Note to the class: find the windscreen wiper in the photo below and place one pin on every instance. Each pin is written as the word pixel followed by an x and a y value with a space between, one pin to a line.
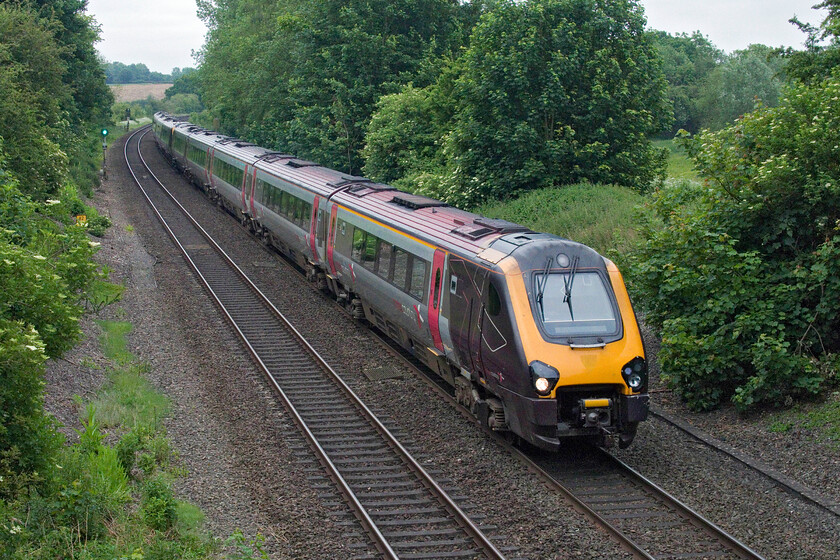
pixel 543 283
pixel 567 297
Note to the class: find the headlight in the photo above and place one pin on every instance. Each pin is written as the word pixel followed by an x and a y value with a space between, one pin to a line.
pixel 544 377
pixel 542 386
pixel 635 374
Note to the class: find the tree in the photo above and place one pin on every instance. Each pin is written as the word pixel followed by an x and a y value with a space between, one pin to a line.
pixel 742 273
pixel 687 62
pixel 734 87
pixel 817 61
pixel 32 94
pixel 556 92
pixel 320 69
pixel 76 33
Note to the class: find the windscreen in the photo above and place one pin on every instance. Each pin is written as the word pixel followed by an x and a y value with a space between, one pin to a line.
pixel 578 306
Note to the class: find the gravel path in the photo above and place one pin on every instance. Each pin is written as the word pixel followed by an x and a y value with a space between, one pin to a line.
pixel 239 447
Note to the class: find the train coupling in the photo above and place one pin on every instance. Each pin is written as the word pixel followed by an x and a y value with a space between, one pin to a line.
pixel 595 413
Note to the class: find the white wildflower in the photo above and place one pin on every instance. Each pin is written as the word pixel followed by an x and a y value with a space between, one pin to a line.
pixel 51 202
pixel 15 529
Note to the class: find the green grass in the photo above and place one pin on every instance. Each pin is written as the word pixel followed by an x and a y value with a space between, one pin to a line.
pixel 679 164
pixel 128 399
pixel 601 216
pixel 101 294
pixel 822 420
pixel 114 343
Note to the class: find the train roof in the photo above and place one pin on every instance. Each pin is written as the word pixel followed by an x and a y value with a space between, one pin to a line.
pixel 425 218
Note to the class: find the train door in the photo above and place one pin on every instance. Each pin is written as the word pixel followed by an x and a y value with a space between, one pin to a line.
pixel 321 233
pixel 251 193
pixel 246 188
pixel 313 230
pixel 208 169
pixel 331 238
pixel 477 312
pixel 435 287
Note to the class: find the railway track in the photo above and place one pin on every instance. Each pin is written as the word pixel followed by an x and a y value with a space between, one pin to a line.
pixel 646 521
pixel 643 518
pixel 404 511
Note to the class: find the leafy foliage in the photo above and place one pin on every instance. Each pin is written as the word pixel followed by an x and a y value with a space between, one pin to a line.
pixel 320 68
pixel 743 272
pixel 687 61
pixel 817 61
pixel 119 73
pixel 556 92
pixel 743 80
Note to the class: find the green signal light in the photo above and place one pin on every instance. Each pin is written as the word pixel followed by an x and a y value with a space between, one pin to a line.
pixel 104 132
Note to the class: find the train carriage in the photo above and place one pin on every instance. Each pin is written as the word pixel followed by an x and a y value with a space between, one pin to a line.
pixel 535 333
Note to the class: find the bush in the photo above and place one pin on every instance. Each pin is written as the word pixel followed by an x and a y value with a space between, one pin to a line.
pixel 742 273
pixel 159 505
pixel 27 436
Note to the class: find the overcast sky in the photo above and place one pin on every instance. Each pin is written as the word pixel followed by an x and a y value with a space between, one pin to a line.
pixel 162 34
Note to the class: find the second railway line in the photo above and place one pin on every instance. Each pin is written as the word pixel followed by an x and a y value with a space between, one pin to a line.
pixel 264 267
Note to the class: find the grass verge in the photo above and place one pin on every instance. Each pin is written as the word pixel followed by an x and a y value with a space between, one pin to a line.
pixel 601 216
pixel 110 497
pixel 822 420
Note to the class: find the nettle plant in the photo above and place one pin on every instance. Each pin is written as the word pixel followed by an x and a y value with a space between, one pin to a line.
pixel 742 273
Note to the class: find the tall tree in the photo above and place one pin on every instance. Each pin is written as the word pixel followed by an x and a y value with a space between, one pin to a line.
pixel 76 33
pixel 745 78
pixel 822 47
pixel 32 96
pixel 687 62
pixel 555 92
pixel 305 75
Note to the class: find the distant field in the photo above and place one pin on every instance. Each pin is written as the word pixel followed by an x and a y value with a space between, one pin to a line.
pixel 679 164
pixel 136 92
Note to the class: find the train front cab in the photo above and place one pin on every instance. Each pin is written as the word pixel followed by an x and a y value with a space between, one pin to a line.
pixel 580 345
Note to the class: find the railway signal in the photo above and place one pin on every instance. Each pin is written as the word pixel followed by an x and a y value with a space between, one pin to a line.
pixel 104 148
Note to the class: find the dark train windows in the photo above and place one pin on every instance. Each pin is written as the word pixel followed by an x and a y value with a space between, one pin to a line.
pixel 228 173
pixel 179 143
pixel 282 203
pixel 383 263
pixel 494 302
pixel 436 291
pixel 369 258
pixel 400 276
pixel 358 244
pixel 197 155
pixel 404 270
pixel 419 268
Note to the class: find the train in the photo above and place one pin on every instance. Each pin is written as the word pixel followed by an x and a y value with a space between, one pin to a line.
pixel 535 334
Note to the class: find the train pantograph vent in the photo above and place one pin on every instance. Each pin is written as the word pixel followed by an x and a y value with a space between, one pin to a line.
pixel 485 226
pixel 416 202
pixel 298 163
pixel 271 157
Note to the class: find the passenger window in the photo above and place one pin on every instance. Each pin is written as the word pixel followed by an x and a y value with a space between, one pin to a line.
pixel 494 302
pixel 399 276
pixel 285 204
pixel 436 292
pixel 418 277
pixel 358 244
pixel 383 263
pixel 370 251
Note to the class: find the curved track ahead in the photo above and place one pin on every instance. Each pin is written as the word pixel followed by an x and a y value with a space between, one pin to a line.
pixel 643 518
pixel 405 512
